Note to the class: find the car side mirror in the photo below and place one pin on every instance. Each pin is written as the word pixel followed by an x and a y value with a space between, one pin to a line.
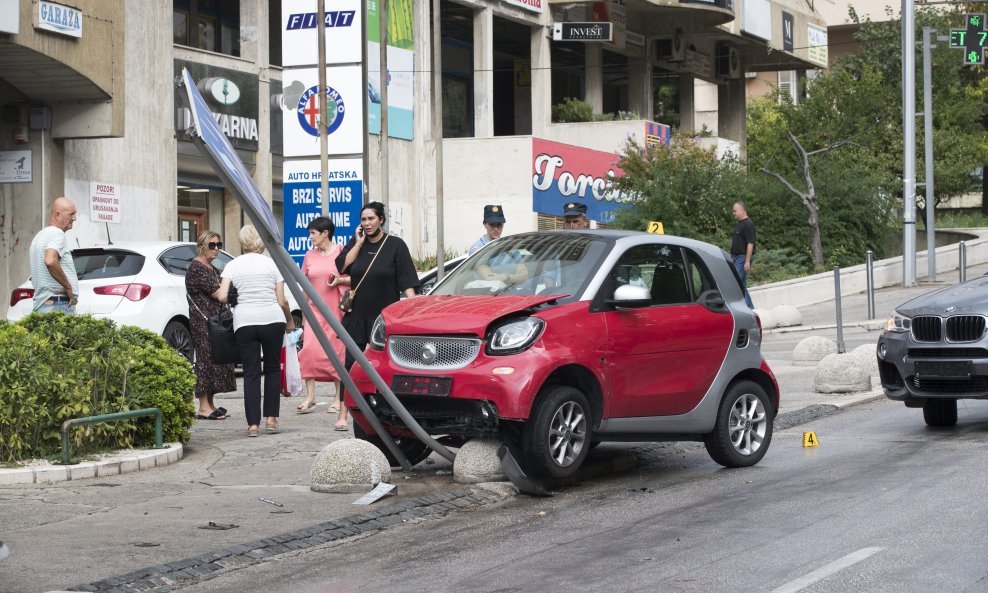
pixel 713 300
pixel 629 296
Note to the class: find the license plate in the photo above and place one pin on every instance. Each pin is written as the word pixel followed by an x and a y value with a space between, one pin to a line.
pixel 953 369
pixel 419 385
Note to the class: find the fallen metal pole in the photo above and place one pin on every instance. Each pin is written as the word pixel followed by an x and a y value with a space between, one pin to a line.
pixel 870 279
pixel 840 321
pixel 73 422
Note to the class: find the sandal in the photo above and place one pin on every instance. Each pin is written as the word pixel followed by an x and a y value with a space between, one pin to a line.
pixel 271 427
pixel 333 409
pixel 306 407
pixel 341 426
pixel 215 415
pixel 252 431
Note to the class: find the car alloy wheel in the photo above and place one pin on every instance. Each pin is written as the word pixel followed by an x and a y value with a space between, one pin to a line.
pixel 567 434
pixel 557 436
pixel 743 428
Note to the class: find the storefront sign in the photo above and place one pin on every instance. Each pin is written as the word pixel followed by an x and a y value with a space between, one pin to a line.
pixel 562 173
pixel 15 166
pixel 232 99
pixel 401 69
pixel 817 50
pixel 344 122
pixel 299 32
pixel 787 31
pixel 10 17
pixel 57 18
pixel 303 201
pixel 532 5
pixel 582 32
pixel 756 18
pixel 104 202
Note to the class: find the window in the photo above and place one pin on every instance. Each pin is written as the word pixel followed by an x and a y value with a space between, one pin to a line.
pixel 211 25
pixel 93 264
pixel 659 268
pixel 700 278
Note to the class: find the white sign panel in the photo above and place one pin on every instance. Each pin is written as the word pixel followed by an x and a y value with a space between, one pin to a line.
pixel 299 34
pixel 104 202
pixel 756 18
pixel 58 18
pixel 15 166
pixel 532 5
pixel 10 17
pixel 817 51
pixel 345 121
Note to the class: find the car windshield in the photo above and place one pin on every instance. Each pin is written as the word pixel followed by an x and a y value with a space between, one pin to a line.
pixel 528 264
pixel 92 264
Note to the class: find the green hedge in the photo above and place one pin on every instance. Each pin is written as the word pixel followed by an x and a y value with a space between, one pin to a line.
pixel 54 367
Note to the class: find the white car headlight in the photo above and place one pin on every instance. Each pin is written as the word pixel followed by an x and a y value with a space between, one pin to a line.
pixel 378 334
pixel 515 335
pixel 898 323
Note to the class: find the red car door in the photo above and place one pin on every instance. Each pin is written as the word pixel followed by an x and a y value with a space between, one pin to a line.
pixel 662 359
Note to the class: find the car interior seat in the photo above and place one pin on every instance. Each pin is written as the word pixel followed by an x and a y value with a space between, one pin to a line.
pixel 669 285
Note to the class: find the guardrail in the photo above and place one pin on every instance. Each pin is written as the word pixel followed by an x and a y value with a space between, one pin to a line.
pixel 88 420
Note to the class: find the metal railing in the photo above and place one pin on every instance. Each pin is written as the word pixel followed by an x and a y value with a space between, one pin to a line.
pixel 88 420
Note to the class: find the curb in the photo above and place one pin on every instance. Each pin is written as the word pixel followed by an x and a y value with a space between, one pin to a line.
pixel 112 465
pixel 869 324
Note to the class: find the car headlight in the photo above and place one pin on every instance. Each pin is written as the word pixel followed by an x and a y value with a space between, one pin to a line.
pixel 378 334
pixel 515 336
pixel 898 323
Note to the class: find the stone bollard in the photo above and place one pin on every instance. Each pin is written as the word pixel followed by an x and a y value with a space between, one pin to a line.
pixel 767 319
pixel 349 465
pixel 866 354
pixel 477 462
pixel 787 316
pixel 841 373
pixel 809 351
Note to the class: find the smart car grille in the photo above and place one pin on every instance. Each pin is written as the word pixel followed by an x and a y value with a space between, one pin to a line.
pixel 972 385
pixel 948 353
pixel 965 328
pixel 433 353
pixel 927 328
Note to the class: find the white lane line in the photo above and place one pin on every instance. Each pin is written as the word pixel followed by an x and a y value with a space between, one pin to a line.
pixel 825 571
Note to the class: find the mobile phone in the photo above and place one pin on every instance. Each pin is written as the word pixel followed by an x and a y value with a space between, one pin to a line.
pixel 360 231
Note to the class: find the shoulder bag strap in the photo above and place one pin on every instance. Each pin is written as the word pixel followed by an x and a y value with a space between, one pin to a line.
pixel 372 262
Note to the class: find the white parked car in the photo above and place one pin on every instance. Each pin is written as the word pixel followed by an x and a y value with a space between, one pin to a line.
pixel 138 283
pixel 427 280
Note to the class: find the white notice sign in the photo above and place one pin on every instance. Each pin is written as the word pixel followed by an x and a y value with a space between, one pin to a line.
pixel 104 202
pixel 15 166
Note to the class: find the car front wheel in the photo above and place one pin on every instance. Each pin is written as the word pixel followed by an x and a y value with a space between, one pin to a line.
pixel 179 338
pixel 743 429
pixel 557 437
pixel 940 412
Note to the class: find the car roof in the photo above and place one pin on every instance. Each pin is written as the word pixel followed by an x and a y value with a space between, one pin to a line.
pixel 143 247
pixel 630 238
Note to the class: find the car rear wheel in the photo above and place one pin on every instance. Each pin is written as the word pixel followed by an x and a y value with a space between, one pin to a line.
pixel 940 412
pixel 415 450
pixel 743 429
pixel 557 437
pixel 179 338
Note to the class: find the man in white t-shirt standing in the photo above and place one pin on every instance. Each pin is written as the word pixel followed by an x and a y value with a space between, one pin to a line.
pixel 56 286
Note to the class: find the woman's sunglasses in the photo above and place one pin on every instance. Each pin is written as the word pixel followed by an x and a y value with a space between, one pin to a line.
pixel 216 245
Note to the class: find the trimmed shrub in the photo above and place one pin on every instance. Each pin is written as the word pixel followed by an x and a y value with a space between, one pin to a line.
pixel 54 367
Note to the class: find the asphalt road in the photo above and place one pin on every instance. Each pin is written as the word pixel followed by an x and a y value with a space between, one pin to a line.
pixel 883 504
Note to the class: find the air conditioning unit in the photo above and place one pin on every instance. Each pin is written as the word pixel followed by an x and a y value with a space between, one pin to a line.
pixel 728 62
pixel 678 50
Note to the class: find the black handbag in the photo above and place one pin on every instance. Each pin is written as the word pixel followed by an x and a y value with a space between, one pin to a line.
pixel 222 343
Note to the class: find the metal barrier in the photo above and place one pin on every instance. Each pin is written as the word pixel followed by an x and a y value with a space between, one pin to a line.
pixel 962 261
pixel 840 320
pixel 72 422
pixel 870 281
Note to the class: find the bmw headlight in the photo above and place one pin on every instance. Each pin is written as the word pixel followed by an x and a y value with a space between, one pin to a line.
pixel 377 334
pixel 897 323
pixel 515 336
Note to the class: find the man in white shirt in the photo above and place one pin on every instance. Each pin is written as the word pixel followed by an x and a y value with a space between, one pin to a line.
pixel 56 286
pixel 493 223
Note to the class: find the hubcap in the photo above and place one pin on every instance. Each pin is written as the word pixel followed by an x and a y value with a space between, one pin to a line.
pixel 747 425
pixel 567 434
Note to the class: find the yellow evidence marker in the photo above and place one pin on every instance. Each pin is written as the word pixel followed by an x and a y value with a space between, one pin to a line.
pixel 810 440
pixel 655 227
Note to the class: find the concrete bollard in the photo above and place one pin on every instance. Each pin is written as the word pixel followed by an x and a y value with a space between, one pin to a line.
pixel 841 373
pixel 786 316
pixel 809 351
pixel 866 354
pixel 477 462
pixel 765 316
pixel 349 465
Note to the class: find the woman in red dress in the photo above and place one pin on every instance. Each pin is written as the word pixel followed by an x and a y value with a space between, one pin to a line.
pixel 319 266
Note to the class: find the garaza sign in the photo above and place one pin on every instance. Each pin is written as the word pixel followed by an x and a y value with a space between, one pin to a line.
pixel 562 173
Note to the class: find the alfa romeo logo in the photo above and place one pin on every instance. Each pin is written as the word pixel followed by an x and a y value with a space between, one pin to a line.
pixel 428 353
pixel 308 110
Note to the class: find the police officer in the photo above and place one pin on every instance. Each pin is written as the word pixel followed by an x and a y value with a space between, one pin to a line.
pixel 575 216
pixel 493 223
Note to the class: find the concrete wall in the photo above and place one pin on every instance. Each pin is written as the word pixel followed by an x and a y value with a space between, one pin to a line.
pixel 607 136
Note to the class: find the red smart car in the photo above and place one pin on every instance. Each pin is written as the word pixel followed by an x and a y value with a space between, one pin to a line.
pixel 559 340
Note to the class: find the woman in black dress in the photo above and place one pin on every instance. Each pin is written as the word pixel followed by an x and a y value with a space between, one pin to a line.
pixel 202 283
pixel 391 276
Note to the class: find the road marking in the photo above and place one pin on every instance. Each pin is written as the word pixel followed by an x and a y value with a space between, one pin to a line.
pixel 825 571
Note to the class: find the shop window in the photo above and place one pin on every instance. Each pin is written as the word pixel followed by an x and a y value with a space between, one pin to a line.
pixel 211 25
pixel 665 98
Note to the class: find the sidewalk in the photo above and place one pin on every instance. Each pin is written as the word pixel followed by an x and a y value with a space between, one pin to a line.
pixel 205 514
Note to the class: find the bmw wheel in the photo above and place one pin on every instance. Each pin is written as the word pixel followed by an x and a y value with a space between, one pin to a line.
pixel 557 437
pixel 743 429
pixel 178 337
pixel 940 412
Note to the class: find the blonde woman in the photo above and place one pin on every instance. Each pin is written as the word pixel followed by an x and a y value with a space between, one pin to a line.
pixel 260 321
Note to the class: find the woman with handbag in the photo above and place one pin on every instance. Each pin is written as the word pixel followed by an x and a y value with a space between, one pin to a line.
pixel 202 285
pixel 381 271
pixel 260 320
pixel 319 266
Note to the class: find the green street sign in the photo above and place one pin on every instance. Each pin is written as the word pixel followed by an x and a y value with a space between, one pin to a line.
pixel 973 39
